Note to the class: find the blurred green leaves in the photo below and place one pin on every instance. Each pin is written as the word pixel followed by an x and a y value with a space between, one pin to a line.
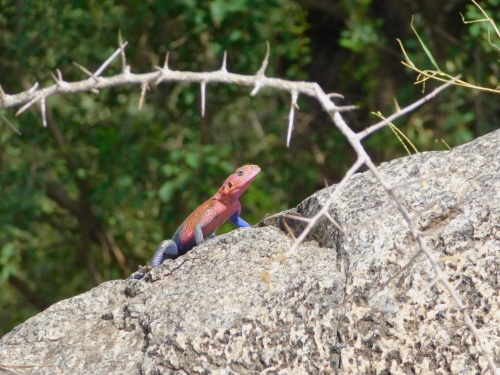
pixel 219 9
pixel 89 197
pixel 8 264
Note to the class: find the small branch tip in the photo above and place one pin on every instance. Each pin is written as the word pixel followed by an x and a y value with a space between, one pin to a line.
pixel 265 61
pixel 335 95
pixel 34 88
pixel 255 90
pixel 125 68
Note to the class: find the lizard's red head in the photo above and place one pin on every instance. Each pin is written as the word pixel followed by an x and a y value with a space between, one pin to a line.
pixel 237 183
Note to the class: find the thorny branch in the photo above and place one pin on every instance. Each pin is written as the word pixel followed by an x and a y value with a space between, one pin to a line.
pixel 164 74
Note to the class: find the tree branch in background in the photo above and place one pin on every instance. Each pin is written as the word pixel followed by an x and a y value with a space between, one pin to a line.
pixel 32 297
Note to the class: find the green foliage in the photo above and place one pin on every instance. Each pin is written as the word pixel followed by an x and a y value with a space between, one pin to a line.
pixel 363 37
pixel 106 179
pixel 7 261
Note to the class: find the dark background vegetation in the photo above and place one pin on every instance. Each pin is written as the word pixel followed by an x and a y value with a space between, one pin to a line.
pixel 88 198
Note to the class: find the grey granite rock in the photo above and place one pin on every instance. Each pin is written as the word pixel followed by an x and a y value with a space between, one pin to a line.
pixel 327 310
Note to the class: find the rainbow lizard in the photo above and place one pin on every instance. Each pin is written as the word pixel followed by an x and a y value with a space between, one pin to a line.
pixel 203 222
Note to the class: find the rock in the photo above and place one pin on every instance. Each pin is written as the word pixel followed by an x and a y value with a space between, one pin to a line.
pixel 331 308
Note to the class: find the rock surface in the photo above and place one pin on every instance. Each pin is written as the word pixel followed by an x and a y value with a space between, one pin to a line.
pixel 326 310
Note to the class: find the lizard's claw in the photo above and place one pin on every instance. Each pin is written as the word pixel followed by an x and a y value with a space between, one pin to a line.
pixel 140 273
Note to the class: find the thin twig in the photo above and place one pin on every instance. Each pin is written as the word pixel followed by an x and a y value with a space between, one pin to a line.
pixel 29 104
pixel 10 124
pixel 289 230
pixel 332 220
pixel 110 59
pixel 265 62
pixel 298 218
pixel 86 71
pixel 405 110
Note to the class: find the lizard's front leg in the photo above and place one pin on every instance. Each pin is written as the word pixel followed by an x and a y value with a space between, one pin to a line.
pixel 198 235
pixel 238 221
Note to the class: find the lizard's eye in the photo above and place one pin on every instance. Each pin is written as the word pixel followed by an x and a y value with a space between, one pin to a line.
pixel 239 172
pixel 229 185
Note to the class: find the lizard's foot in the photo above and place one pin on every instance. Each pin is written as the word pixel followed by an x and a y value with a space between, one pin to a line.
pixel 139 274
pixel 167 250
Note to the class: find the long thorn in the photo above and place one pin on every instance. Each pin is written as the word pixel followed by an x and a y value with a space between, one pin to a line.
pixel 44 112
pixel 87 72
pixel 332 220
pixel 203 87
pixel 27 105
pixel 289 230
pixel 291 117
pixel 144 87
pixel 224 62
pixel 165 63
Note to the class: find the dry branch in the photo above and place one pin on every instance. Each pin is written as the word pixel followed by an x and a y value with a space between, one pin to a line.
pixel 162 74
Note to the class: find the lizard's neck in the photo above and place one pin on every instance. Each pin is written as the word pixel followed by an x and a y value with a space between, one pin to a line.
pixel 226 199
